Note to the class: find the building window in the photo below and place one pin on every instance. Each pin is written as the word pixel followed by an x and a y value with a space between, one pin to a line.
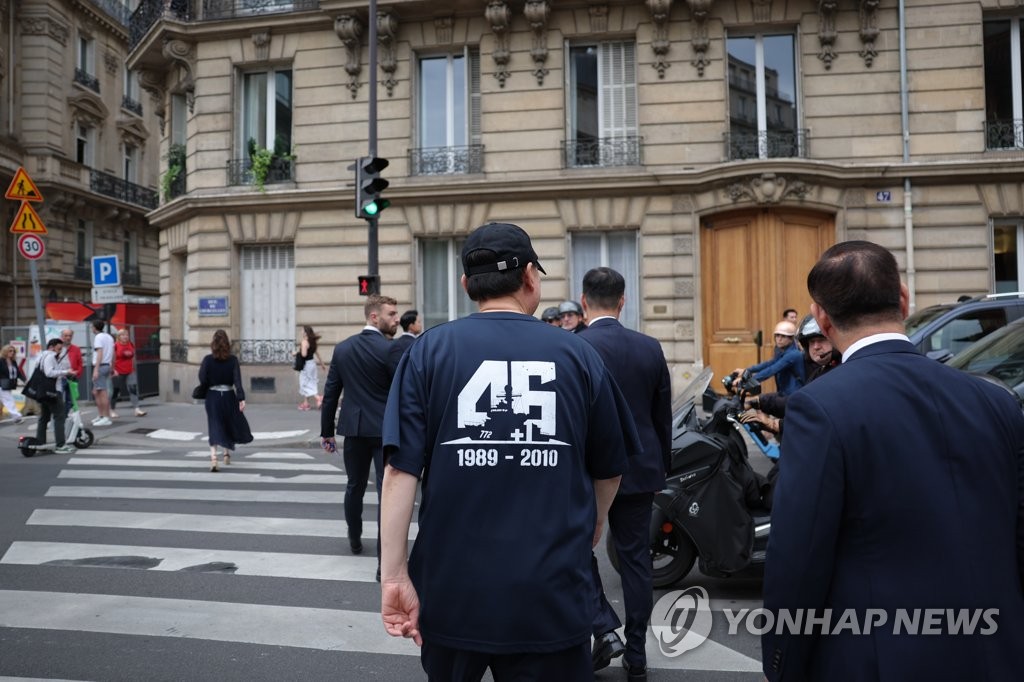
pixel 1004 111
pixel 130 101
pixel 267 290
pixel 616 250
pixel 179 117
pixel 84 144
pixel 86 54
pixel 131 162
pixel 448 127
pixel 130 259
pixel 83 250
pixel 441 297
pixel 1008 256
pixel 762 71
pixel 267 111
pixel 602 106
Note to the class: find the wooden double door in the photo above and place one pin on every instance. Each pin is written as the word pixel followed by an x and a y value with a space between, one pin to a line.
pixel 754 265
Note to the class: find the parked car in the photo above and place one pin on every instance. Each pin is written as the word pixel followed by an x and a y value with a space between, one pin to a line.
pixel 999 357
pixel 941 331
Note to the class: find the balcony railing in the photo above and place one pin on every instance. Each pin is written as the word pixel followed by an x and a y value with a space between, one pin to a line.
pixel 229 9
pixel 1008 134
pixel 607 151
pixel 772 144
pixel 179 350
pixel 240 171
pixel 116 9
pixel 131 276
pixel 264 351
pixel 151 11
pixel 447 160
pixel 83 77
pixel 111 186
pixel 131 105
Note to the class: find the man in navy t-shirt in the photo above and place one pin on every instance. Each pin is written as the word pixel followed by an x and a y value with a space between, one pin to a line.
pixel 520 437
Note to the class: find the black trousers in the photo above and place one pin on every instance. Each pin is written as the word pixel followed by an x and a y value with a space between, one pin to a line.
pixel 359 453
pixel 457 665
pixel 55 409
pixel 629 521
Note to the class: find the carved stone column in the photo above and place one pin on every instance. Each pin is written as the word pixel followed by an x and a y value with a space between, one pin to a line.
pixel 868 30
pixel 499 16
pixel 827 31
pixel 660 10
pixel 350 30
pixel 387 27
pixel 261 41
pixel 699 39
pixel 536 12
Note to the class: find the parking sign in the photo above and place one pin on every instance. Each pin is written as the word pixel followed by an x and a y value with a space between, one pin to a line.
pixel 105 272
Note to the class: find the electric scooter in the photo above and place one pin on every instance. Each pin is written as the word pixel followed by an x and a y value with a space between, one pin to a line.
pixel 74 429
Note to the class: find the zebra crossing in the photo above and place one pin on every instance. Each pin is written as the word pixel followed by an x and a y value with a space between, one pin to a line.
pixel 143 549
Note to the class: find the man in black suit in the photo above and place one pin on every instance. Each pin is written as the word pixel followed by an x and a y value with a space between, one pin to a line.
pixel 637 363
pixel 361 367
pixel 901 492
pixel 411 328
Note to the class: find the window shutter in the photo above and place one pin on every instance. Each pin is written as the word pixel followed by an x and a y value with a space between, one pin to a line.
pixel 473 60
pixel 618 89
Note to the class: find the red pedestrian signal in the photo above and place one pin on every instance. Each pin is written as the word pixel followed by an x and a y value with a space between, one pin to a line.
pixel 369 284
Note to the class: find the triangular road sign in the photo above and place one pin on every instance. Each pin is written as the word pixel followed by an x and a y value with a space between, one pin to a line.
pixel 28 220
pixel 22 188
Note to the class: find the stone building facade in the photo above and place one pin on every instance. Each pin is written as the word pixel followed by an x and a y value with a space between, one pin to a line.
pixel 709 150
pixel 75 118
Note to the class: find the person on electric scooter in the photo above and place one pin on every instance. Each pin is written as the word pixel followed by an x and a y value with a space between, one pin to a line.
pixel 50 362
pixel 786 364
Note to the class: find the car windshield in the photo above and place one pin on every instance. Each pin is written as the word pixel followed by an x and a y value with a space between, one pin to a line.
pixel 1000 356
pixel 923 317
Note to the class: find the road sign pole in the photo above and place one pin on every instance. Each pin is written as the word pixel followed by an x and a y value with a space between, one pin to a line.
pixel 40 315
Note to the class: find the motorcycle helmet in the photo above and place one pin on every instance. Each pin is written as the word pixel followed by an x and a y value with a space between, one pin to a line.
pixel 570 307
pixel 808 330
pixel 549 314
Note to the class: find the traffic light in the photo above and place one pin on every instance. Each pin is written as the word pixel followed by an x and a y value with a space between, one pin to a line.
pixel 369 185
pixel 369 284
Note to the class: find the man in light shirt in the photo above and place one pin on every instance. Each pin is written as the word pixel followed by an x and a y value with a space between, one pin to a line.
pixel 102 359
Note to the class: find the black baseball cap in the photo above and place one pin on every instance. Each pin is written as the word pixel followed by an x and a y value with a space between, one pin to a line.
pixel 510 244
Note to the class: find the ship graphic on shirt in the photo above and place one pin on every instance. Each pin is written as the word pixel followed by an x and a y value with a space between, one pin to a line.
pixel 503 403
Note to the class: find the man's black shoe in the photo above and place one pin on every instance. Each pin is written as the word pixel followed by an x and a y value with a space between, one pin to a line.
pixel 355 544
pixel 635 673
pixel 606 647
pixel 378 574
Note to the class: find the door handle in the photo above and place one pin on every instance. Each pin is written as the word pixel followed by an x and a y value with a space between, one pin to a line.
pixel 732 339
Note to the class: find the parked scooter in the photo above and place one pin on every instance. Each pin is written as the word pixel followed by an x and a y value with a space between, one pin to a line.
pixel 74 430
pixel 711 509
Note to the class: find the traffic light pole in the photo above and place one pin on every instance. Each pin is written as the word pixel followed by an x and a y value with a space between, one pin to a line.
pixel 371 239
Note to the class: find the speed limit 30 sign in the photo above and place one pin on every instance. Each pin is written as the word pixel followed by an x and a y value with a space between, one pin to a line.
pixel 31 246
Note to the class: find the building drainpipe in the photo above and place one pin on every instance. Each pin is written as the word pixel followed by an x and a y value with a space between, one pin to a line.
pixel 908 202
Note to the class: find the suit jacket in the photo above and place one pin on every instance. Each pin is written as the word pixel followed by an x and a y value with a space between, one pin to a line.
pixel 637 364
pixel 401 343
pixel 362 369
pixel 901 487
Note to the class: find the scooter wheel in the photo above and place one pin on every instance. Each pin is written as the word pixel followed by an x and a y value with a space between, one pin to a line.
pixel 27 446
pixel 84 439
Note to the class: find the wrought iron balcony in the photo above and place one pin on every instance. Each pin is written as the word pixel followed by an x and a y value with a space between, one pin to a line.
pixel 1008 134
pixel 447 160
pixel 83 272
pixel 83 77
pixel 240 171
pixel 771 144
pixel 116 9
pixel 176 187
pixel 179 350
pixel 606 151
pixel 111 186
pixel 151 11
pixel 131 276
pixel 131 105
pixel 229 9
pixel 264 351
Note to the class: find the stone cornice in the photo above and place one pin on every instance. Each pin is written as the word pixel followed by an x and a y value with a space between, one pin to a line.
pixel 101 17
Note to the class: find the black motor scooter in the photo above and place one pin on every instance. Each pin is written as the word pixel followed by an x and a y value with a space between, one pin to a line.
pixel 711 508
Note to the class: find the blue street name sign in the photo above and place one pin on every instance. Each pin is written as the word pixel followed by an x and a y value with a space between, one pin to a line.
pixel 216 306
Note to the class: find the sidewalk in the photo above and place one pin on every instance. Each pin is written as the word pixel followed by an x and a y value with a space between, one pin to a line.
pixel 184 424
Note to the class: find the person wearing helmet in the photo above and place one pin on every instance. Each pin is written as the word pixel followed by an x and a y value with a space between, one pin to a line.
pixel 550 316
pixel 570 315
pixel 786 364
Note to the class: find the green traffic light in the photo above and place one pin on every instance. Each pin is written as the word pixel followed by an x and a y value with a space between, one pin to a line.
pixel 371 208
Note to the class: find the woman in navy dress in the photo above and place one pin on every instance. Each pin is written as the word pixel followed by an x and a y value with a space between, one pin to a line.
pixel 225 397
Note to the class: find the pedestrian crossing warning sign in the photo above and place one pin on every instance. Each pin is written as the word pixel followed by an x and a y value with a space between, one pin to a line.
pixel 23 189
pixel 27 220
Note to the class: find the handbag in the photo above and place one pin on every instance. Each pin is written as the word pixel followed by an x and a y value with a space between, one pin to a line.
pixel 300 362
pixel 199 392
pixel 40 387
